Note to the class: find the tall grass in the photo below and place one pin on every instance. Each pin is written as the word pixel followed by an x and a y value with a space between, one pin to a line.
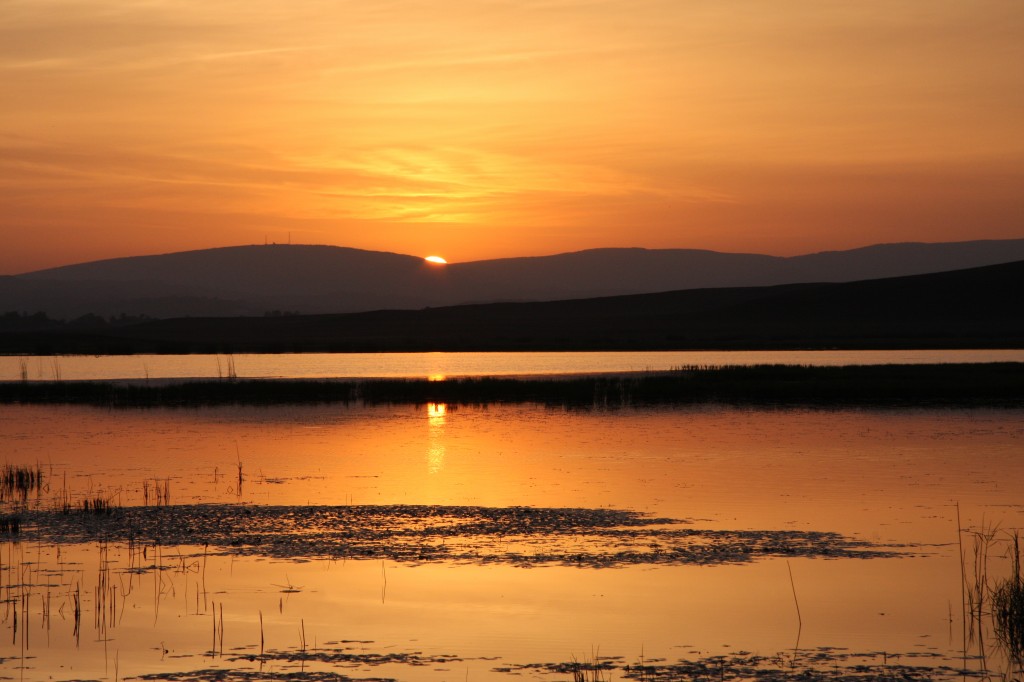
pixel 1008 607
pixel 590 670
pixel 993 605
pixel 17 482
pixel 10 524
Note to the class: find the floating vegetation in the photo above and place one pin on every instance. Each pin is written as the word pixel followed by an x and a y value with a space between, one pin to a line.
pixel 18 482
pixel 521 536
pixel 331 655
pixel 825 664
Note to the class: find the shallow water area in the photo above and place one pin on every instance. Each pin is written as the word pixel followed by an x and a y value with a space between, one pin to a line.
pixel 429 542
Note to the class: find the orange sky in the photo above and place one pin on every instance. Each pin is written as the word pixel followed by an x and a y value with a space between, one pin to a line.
pixel 489 128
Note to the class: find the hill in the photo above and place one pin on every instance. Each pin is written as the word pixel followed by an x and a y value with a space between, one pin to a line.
pixel 974 308
pixel 252 280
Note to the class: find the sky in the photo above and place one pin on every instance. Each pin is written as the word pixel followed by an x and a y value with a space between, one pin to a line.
pixel 480 129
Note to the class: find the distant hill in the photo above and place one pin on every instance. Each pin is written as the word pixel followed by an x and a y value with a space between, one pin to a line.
pixel 252 280
pixel 974 308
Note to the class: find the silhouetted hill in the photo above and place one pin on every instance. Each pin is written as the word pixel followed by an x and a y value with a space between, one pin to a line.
pixel 977 308
pixel 251 280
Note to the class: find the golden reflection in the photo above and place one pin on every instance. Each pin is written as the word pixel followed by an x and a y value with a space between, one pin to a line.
pixel 436 413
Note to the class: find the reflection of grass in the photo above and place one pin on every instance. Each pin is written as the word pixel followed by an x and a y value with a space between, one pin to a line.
pixel 994 384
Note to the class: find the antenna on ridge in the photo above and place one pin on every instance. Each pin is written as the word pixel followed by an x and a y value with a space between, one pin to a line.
pixel 289 238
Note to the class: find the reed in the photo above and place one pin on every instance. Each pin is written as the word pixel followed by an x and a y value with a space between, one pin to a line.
pixel 589 670
pixel 159 491
pixel 17 482
pixel 1008 607
pixel 97 506
pixel 10 524
pixel 238 484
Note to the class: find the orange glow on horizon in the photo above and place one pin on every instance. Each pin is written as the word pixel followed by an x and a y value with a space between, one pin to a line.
pixel 491 130
pixel 436 260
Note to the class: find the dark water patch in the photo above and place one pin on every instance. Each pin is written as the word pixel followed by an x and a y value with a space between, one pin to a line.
pixel 521 536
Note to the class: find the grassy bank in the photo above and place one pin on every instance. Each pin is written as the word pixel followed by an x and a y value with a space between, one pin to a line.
pixel 995 384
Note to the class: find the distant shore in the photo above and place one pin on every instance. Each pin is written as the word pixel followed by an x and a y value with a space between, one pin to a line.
pixel 951 385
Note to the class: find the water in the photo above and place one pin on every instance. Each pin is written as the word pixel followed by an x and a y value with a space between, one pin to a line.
pixel 440 365
pixel 891 478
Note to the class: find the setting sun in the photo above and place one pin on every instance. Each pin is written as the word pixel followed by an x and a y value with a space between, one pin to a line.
pixel 436 259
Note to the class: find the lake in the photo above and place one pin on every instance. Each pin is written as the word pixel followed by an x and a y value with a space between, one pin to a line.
pixel 440 365
pixel 441 542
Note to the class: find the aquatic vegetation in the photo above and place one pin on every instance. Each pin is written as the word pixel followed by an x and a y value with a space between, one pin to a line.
pixel 591 669
pixel 158 491
pixel 98 506
pixel 1008 608
pixel 10 524
pixel 17 482
pixel 410 534
pixel 992 384
pixel 825 664
pixel 993 605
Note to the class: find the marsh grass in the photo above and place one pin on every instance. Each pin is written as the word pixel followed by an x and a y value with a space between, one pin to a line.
pixel 18 482
pixel 97 506
pixel 1008 607
pixel 590 670
pixel 10 524
pixel 993 604
pixel 977 384
pixel 156 491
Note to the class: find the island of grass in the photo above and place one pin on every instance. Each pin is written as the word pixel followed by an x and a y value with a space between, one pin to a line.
pixel 954 385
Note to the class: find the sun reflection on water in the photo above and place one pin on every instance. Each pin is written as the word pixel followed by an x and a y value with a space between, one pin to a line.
pixel 436 415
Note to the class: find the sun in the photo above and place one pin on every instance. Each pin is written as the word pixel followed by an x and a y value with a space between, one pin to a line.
pixel 436 259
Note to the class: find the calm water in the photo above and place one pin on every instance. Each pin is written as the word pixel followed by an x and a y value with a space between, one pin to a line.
pixel 887 477
pixel 439 365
